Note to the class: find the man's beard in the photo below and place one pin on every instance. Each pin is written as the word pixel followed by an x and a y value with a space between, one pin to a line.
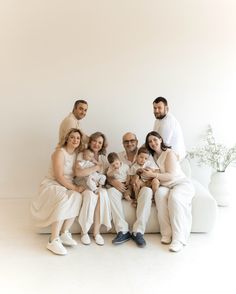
pixel 133 150
pixel 160 116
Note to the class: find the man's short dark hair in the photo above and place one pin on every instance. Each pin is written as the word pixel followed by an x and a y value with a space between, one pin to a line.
pixel 78 102
pixel 161 99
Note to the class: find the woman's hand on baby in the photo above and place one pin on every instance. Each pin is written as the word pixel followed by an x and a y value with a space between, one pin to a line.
pixel 148 173
pixel 79 189
pixel 99 165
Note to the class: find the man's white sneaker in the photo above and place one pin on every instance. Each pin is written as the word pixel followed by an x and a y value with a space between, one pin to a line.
pixel 99 239
pixel 165 240
pixel 85 239
pixel 66 239
pixel 176 246
pixel 56 247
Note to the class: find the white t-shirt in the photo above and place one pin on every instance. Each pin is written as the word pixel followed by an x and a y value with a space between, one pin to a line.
pixel 120 174
pixel 171 132
pixel 148 164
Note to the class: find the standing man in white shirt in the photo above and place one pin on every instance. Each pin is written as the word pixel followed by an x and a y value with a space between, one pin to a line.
pixel 73 119
pixel 168 127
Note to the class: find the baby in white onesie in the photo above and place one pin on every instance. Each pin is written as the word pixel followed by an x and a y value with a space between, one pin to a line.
pixel 94 180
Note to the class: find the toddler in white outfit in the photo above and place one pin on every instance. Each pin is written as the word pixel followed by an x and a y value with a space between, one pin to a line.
pixel 119 171
pixel 138 181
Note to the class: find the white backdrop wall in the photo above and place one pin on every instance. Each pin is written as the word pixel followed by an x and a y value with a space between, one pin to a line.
pixel 119 56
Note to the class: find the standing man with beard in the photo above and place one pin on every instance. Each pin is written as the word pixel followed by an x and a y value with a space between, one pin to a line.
pixel 168 127
pixel 72 121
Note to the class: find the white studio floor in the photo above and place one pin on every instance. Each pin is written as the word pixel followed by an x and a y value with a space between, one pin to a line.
pixel 206 265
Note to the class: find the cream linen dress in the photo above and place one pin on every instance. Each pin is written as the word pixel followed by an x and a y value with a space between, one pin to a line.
pixel 90 199
pixel 55 202
pixel 174 202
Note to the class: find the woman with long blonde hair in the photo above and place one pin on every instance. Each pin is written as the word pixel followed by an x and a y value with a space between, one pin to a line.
pixel 59 200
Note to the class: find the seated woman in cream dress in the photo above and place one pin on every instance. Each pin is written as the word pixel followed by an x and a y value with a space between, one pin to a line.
pixel 174 197
pixel 96 206
pixel 59 200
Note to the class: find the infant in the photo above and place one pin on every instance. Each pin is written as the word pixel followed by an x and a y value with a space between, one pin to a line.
pixel 95 179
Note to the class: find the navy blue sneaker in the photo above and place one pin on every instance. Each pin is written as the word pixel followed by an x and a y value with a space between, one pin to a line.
pixel 121 238
pixel 138 239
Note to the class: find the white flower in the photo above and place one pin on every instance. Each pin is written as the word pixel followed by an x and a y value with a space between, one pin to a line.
pixel 216 155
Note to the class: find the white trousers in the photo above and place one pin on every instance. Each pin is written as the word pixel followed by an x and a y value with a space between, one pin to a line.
pixel 86 216
pixel 174 210
pixel 144 204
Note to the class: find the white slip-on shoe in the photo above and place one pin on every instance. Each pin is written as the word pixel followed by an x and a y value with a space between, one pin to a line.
pixel 176 246
pixel 56 247
pixel 99 239
pixel 165 240
pixel 66 239
pixel 85 239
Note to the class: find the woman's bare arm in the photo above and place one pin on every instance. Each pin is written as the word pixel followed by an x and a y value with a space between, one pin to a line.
pixel 58 169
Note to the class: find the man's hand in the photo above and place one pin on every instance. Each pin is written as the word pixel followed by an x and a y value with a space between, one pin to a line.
pixel 118 185
pixel 79 189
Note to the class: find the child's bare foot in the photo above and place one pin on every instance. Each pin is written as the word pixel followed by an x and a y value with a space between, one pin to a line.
pixel 134 203
pixel 127 197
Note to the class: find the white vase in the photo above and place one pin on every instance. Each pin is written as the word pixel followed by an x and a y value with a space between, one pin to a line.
pixel 220 188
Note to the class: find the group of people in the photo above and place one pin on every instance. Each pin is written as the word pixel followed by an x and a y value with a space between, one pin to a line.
pixel 84 183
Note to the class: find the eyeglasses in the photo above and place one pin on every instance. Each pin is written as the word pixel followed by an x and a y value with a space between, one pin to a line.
pixel 132 141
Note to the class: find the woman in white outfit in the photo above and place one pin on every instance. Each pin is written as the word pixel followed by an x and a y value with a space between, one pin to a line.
pixel 96 206
pixel 59 200
pixel 174 197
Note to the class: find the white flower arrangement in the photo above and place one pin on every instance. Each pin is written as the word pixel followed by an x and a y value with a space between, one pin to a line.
pixel 216 155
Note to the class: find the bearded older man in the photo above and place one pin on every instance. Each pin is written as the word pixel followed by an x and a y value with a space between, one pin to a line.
pixel 144 201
